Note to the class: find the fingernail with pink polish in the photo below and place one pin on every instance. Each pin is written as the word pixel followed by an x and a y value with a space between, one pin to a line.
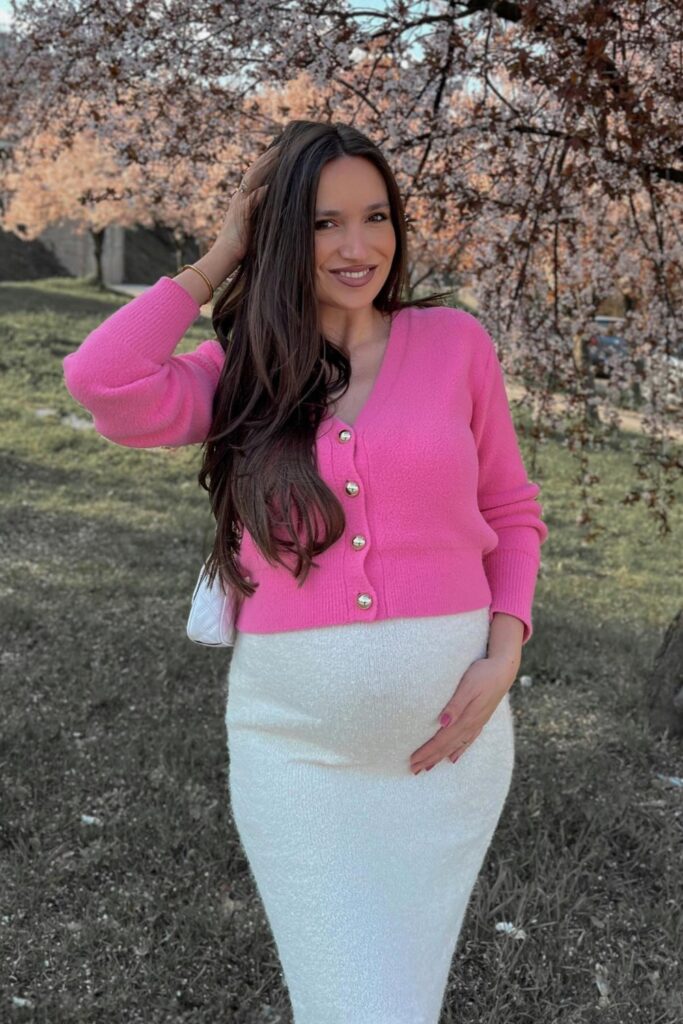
pixel 445 718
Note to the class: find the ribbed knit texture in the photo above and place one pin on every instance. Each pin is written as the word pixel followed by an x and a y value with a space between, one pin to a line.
pixel 449 518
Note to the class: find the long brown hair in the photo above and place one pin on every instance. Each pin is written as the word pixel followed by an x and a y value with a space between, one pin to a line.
pixel 273 391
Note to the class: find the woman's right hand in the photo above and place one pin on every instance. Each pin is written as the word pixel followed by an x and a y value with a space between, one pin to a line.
pixel 234 233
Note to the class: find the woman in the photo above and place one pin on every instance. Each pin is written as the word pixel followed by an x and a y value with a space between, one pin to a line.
pixel 381 532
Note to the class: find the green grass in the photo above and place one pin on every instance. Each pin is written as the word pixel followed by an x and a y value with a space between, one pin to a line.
pixel 108 710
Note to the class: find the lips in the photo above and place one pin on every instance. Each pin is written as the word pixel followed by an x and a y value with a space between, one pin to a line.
pixel 351 270
pixel 353 282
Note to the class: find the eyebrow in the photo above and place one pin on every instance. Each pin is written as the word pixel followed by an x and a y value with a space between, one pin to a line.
pixel 336 213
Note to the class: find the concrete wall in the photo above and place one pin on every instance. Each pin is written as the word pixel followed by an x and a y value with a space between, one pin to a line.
pixel 77 251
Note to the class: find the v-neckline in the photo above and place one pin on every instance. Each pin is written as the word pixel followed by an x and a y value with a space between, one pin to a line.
pixel 383 377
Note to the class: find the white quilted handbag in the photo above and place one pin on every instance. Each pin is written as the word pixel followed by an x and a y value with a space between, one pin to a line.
pixel 211 621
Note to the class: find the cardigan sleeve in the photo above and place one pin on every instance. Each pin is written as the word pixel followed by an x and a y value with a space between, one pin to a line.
pixel 124 373
pixel 507 499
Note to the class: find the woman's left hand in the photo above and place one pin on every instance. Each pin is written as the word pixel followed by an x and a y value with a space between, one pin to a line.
pixel 479 692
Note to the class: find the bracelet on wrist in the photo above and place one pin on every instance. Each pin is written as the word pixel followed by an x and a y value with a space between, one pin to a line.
pixel 190 266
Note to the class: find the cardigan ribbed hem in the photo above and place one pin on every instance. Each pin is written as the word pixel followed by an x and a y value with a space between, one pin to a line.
pixel 512 576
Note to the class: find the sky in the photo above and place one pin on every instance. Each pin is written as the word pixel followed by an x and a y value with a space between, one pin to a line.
pixel 5 13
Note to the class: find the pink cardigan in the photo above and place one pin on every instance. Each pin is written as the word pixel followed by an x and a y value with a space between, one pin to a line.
pixel 440 515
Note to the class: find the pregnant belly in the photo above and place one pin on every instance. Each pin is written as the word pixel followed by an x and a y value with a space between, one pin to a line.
pixel 364 693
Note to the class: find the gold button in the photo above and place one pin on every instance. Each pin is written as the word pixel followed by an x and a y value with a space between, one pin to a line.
pixel 352 487
pixel 364 600
pixel 344 435
pixel 358 541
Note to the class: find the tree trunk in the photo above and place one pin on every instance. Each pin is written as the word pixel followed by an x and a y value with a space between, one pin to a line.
pixel 665 685
pixel 98 244
pixel 180 240
pixel 580 346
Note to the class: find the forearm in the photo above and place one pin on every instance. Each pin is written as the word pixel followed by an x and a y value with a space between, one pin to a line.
pixel 218 263
pixel 505 641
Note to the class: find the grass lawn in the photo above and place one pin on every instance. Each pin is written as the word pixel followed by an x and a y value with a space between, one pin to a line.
pixel 126 895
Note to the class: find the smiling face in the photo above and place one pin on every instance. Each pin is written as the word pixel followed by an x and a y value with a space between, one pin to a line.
pixel 353 229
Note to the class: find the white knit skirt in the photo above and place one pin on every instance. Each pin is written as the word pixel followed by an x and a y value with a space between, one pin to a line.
pixel 364 869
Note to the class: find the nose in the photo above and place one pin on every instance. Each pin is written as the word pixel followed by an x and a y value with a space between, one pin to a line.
pixel 354 245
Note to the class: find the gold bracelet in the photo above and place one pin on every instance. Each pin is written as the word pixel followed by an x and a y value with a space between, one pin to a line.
pixel 189 266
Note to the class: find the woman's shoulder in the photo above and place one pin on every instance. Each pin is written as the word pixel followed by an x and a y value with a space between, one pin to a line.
pixel 459 326
pixel 450 315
